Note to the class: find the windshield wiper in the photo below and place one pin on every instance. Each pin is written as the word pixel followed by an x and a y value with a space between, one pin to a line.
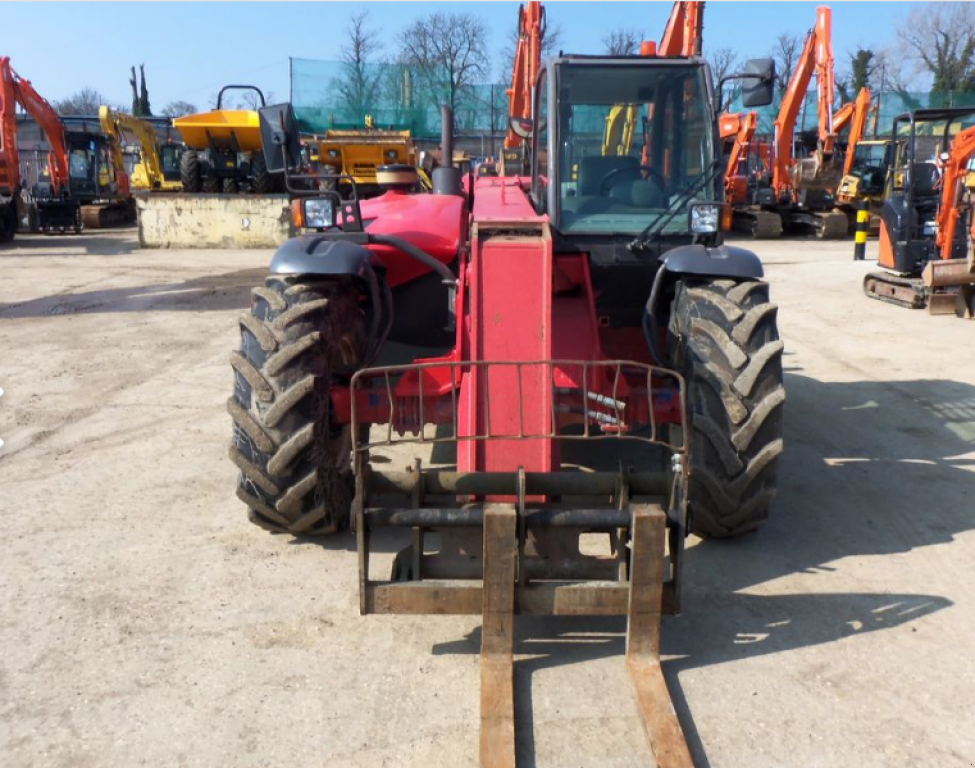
pixel 647 236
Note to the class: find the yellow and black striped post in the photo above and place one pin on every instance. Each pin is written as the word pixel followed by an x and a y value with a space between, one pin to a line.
pixel 863 227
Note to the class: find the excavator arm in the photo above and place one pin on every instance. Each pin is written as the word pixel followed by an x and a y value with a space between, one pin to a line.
pixel 742 128
pixel 114 123
pixel 528 59
pixel 114 136
pixel 682 36
pixel 47 118
pixel 9 158
pixel 953 190
pixel 858 126
pixel 816 57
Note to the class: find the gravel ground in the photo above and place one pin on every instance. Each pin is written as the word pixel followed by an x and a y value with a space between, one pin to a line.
pixel 143 621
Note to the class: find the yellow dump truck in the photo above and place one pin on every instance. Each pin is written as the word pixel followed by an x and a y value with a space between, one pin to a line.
pixel 358 153
pixel 224 151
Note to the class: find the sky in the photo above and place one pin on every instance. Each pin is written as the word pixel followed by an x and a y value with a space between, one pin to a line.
pixel 192 49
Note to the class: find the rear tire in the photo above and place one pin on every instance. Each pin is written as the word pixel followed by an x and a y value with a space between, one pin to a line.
pixel 189 171
pixel 261 181
pixel 725 340
pixel 212 184
pixel 299 338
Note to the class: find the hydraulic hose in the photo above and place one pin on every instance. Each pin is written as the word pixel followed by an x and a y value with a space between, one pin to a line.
pixel 415 253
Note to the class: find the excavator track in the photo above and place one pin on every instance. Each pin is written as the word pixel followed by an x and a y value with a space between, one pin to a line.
pixel 906 292
pixel 757 223
pixel 832 225
pixel 110 215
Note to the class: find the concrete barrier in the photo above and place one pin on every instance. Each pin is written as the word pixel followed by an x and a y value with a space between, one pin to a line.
pixel 213 221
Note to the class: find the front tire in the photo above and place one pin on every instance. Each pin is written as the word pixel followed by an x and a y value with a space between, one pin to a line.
pixel 261 181
pixel 299 338
pixel 725 340
pixel 189 171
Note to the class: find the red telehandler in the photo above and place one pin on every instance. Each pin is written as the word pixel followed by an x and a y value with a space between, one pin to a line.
pixel 517 326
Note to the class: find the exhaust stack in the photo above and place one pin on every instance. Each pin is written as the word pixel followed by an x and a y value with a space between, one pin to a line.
pixel 447 179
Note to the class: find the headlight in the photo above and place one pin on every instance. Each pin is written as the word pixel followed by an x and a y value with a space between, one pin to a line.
pixel 705 218
pixel 318 213
pixel 333 153
pixel 391 154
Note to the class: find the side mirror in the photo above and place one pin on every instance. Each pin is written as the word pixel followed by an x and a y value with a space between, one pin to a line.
pixel 523 127
pixel 758 83
pixel 279 137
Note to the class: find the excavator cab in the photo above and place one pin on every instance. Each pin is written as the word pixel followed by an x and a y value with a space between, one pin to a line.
pixel 910 209
pixel 868 173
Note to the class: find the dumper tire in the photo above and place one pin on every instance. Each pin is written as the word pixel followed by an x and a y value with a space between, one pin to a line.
pixel 300 337
pixel 212 184
pixel 724 339
pixel 189 171
pixel 231 186
pixel 261 181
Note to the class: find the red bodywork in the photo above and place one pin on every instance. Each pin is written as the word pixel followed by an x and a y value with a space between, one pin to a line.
pixel 529 347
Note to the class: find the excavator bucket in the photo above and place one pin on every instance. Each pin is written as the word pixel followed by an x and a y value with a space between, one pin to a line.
pixel 501 544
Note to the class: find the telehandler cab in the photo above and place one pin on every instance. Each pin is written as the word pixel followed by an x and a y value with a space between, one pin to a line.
pixel 589 304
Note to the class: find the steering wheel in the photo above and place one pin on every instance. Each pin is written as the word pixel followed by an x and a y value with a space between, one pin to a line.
pixel 602 187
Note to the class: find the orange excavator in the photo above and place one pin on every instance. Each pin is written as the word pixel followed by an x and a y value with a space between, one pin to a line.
pixel 528 60
pixel 924 221
pixel 82 185
pixel 57 210
pixel 746 173
pixel 9 159
pixel 803 189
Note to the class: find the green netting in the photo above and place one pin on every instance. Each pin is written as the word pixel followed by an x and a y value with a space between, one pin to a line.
pixel 334 94
pixel 891 104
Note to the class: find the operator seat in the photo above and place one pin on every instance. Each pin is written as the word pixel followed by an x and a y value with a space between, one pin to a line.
pixel 925 179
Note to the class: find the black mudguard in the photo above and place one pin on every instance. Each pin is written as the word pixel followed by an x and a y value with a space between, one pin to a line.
pixel 314 255
pixel 722 261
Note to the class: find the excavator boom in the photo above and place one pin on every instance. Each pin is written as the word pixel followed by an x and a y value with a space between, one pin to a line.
pixel 528 59
pixel 682 37
pixel 46 116
pixel 152 171
pixel 953 191
pixel 816 57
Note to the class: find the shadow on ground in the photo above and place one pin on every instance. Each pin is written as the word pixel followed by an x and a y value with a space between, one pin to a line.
pixel 230 290
pixel 871 468
pixel 113 241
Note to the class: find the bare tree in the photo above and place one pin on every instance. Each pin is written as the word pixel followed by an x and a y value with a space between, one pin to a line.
pixel 724 61
pixel 622 41
pixel 83 102
pixel 551 38
pixel 939 38
pixel 448 54
pixel 785 53
pixel 250 100
pixel 179 108
pixel 360 82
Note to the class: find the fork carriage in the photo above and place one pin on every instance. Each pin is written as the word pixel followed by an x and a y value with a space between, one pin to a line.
pixel 509 542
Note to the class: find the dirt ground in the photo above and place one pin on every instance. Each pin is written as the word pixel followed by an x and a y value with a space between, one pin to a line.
pixel 144 621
